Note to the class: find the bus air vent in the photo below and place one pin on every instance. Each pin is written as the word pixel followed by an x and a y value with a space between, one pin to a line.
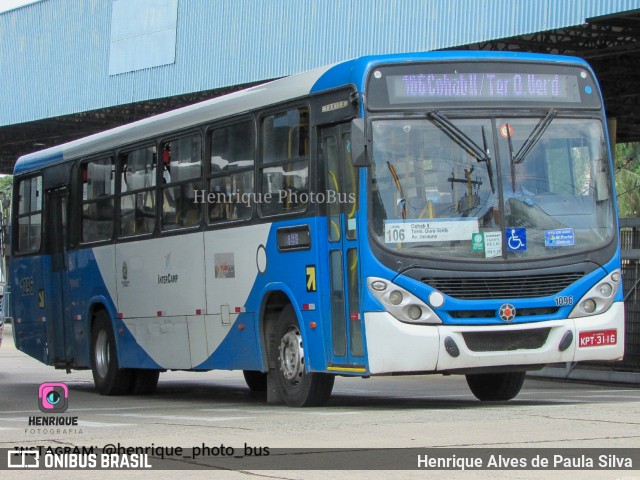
pixel 506 341
pixel 483 288
pixel 522 312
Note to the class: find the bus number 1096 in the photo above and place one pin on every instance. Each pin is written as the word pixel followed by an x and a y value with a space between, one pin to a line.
pixel 563 301
pixel 26 286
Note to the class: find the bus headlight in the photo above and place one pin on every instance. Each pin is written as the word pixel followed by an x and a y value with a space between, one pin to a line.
pixel 589 305
pixel 395 297
pixel 401 303
pixel 606 289
pixel 415 312
pixel 599 298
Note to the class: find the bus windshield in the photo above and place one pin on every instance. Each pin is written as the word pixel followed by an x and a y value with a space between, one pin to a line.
pixel 444 186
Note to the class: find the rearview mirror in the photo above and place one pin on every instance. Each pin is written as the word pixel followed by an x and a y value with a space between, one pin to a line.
pixel 359 143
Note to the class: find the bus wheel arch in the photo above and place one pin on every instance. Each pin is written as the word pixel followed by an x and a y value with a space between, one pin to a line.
pixel 108 377
pixel 272 305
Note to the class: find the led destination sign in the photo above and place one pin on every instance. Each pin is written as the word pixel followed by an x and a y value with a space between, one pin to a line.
pixel 453 87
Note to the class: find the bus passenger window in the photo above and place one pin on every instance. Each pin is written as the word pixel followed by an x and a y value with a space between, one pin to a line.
pixel 231 177
pixel 98 185
pixel 284 170
pixel 137 192
pixel 29 215
pixel 181 177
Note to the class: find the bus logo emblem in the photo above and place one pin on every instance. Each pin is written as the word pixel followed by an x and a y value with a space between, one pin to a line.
pixel 507 312
pixel 125 274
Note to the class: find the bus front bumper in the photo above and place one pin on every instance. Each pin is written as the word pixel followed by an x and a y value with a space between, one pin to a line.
pixel 397 347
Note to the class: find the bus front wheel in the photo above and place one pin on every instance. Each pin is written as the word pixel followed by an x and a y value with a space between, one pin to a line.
pixel 298 387
pixel 107 376
pixel 495 386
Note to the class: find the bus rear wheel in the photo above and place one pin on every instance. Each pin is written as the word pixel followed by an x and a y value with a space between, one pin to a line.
pixel 107 376
pixel 495 386
pixel 298 387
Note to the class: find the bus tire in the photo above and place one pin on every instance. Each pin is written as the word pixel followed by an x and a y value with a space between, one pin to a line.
pixel 107 376
pixel 495 386
pixel 256 381
pixel 143 382
pixel 298 387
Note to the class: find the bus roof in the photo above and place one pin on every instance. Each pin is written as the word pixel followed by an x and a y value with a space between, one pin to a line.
pixel 295 86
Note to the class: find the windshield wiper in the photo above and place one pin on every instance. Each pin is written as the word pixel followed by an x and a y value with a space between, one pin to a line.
pixel 532 139
pixel 463 140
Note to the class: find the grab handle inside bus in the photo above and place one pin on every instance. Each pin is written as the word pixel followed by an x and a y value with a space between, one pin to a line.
pixel 359 143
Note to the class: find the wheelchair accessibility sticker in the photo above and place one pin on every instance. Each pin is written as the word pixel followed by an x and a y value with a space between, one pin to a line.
pixel 516 239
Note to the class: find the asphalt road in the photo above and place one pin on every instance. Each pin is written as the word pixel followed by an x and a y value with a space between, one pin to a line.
pixel 216 409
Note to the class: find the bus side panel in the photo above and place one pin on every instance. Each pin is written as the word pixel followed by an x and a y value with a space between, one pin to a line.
pixel 88 274
pixel 161 300
pixel 239 348
pixel 247 266
pixel 29 331
pixel 299 270
pixel 231 259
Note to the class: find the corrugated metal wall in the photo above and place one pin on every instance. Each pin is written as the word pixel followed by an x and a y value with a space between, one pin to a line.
pixel 54 54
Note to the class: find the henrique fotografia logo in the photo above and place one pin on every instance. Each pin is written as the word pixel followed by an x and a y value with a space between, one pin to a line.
pixel 53 398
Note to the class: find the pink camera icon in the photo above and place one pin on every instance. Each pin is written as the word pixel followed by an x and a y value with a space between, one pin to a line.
pixel 53 397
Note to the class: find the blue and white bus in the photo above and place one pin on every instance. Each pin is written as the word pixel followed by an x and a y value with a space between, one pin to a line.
pixel 417 213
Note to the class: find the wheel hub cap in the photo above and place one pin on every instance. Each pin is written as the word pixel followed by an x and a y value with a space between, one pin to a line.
pixel 102 354
pixel 292 356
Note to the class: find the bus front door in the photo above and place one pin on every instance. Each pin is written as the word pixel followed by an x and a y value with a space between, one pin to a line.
pixel 52 299
pixel 346 351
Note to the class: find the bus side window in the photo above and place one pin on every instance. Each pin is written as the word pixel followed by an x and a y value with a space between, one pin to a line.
pixel 29 215
pixel 284 170
pixel 98 185
pixel 231 172
pixel 182 177
pixel 137 191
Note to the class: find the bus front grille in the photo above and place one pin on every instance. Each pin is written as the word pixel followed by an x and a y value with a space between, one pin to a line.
pixel 521 312
pixel 506 341
pixel 482 288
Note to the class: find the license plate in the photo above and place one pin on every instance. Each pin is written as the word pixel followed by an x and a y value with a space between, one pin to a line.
pixel 598 338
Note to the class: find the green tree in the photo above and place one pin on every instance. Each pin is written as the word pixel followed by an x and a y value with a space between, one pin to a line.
pixel 627 174
pixel 6 189
pixel 6 185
